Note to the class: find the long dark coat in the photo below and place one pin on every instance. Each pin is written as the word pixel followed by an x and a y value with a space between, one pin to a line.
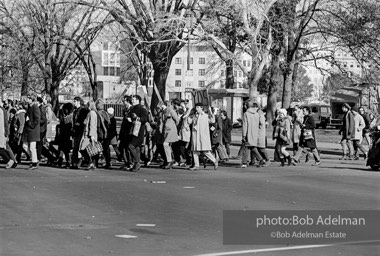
pixel 32 126
pixel 348 127
pixel 226 130
pixel 142 114
pixel 124 133
pixel 309 123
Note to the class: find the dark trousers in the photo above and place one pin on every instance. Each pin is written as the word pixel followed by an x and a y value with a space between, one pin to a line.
pixel 40 145
pixel 181 149
pixel 76 144
pixel 106 151
pixel 135 152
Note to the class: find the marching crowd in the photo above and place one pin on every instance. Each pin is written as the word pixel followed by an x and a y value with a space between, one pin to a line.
pixel 172 134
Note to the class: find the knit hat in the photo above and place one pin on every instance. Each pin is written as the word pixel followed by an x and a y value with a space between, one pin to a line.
pixel 110 111
pixel 283 111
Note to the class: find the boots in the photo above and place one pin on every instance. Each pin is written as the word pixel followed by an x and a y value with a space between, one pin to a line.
pixel 282 160
pixel 289 160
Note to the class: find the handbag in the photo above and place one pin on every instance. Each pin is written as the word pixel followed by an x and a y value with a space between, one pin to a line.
pixel 136 128
pixel 308 134
pixel 94 148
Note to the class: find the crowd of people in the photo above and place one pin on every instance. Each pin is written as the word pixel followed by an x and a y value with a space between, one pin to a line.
pixel 172 134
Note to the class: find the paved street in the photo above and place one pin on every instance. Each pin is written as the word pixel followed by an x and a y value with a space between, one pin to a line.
pixel 74 212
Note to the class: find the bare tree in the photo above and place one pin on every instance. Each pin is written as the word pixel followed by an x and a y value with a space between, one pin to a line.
pixel 156 29
pixel 51 31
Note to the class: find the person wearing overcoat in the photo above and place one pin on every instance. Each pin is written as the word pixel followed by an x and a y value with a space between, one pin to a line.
pixel 308 124
pixel 138 114
pixel 31 133
pixel 201 141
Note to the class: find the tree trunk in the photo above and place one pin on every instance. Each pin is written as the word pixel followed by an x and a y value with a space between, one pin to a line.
pixel 230 80
pixel 274 82
pixel 288 82
pixel 95 92
pixel 54 90
pixel 160 76
pixel 24 83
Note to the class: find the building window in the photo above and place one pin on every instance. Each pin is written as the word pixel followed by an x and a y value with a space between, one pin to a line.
pixel 358 66
pixel 240 74
pixel 189 84
pixel 106 60
pixel 202 61
pixel 202 72
pixel 249 63
pixel 118 71
pixel 201 84
pixel 105 71
pixel 191 60
pixel 222 73
pixel 105 46
pixel 235 73
pixel 177 72
pixel 178 61
pixel 177 83
pixel 112 71
pixel 244 63
pixel 112 59
pixel 118 59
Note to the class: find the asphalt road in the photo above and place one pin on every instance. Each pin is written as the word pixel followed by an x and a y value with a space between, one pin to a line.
pixel 75 212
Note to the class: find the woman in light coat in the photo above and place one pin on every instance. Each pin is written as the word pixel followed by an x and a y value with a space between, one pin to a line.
pixel 283 136
pixel 357 137
pixel 90 135
pixel 170 132
pixel 201 141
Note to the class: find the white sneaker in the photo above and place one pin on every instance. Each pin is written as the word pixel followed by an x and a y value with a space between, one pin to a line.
pixel 10 164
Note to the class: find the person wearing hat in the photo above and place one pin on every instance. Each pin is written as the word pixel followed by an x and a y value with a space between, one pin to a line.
pixel 347 131
pixel 201 141
pixel 358 133
pixel 112 131
pixel 283 136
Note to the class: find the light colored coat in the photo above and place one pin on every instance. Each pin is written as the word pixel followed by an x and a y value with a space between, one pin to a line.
pixel 251 121
pixel 297 121
pixel 184 133
pixel 3 138
pixel 261 142
pixel 359 126
pixel 201 140
pixel 91 125
pixel 170 125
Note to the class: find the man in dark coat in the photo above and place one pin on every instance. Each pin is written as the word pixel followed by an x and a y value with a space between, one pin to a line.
pixel 138 113
pixel 79 115
pixel 31 133
pixel 226 131
pixel 124 135
pixel 347 131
